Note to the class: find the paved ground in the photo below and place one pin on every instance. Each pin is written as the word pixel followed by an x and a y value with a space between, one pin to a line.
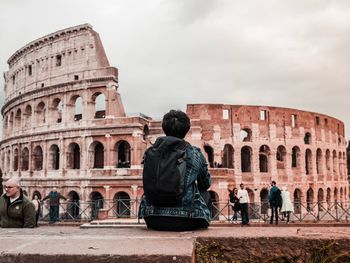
pixel 136 241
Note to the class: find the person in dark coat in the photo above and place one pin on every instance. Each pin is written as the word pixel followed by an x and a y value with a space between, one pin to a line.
pixel 54 202
pixel 275 201
pixel 234 202
pixel 16 210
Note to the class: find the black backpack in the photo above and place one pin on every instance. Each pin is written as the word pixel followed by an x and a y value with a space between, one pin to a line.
pixel 164 171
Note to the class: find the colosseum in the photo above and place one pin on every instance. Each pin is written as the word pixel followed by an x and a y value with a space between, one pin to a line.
pixel 64 126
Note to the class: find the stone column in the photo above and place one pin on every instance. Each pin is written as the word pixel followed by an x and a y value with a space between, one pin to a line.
pixel 133 201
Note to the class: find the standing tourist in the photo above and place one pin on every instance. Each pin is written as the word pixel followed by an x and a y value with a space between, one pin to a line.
pixel 234 202
pixel 243 202
pixel 37 205
pixel 275 200
pixel 16 210
pixel 54 202
pixel 287 206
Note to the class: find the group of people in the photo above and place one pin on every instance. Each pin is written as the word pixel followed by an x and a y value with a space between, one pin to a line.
pixel 18 211
pixel 279 201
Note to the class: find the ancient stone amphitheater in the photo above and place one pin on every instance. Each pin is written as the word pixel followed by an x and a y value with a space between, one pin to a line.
pixel 64 126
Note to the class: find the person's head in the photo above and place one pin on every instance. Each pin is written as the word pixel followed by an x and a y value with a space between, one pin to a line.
pixel 176 123
pixel 273 183
pixel 284 188
pixel 12 187
pixel 235 190
pixel 36 197
pixel 241 186
pixel 54 189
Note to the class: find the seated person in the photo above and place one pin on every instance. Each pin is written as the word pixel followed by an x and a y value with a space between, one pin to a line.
pixel 192 211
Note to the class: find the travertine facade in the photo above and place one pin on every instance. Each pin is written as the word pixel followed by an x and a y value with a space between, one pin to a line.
pixel 65 126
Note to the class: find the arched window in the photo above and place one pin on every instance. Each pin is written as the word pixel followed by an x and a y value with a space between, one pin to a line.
pixel 295 157
pixel 335 165
pixel 328 197
pixel 246 153
pixel 308 161
pixel 36 193
pixel 25 159
pixel 123 150
pixel 73 208
pixel 210 155
pixel 227 159
pixel 340 170
pixel 245 135
pixel 122 204
pixel 15 160
pixel 96 203
pixel 38 158
pixel 215 206
pixel 307 138
pixel 320 199
pixel 18 118
pixel 264 199
pixel 8 160
pixel 73 156
pixel 264 153
pixel 57 108
pixel 336 194
pixel 40 113
pixel 319 162
pixel 297 201
pixel 78 109
pixel 100 105
pixel 11 121
pixel 281 157
pixel 328 160
pixel 97 154
pixel 28 116
pixel 54 157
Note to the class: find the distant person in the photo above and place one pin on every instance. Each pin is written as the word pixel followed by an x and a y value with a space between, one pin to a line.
pixel 37 205
pixel 287 206
pixel 16 210
pixel 275 201
pixel 175 180
pixel 234 202
pixel 243 197
pixel 54 202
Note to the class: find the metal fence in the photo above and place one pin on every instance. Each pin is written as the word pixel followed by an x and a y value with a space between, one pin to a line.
pixel 220 211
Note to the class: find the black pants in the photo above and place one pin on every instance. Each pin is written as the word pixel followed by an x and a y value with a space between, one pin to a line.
pixel 245 215
pixel 167 223
pixel 274 212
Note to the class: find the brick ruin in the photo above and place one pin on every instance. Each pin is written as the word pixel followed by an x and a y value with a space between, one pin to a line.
pixel 65 126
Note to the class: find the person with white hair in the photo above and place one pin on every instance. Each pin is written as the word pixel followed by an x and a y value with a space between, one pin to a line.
pixel 16 210
pixel 287 206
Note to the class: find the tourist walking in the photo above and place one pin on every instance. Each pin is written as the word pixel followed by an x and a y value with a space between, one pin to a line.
pixel 275 200
pixel 234 202
pixel 287 206
pixel 243 197
pixel 16 210
pixel 54 202
pixel 37 205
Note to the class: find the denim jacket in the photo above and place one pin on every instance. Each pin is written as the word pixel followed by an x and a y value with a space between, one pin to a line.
pixel 193 205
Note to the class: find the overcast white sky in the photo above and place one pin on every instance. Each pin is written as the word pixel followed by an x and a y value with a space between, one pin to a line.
pixel 290 53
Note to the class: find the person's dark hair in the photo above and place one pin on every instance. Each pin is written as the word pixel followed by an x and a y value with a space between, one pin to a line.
pixel 273 182
pixel 176 123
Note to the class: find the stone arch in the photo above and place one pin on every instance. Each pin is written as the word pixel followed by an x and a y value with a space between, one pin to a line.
pixel 210 155
pixel 54 157
pixel 296 156
pixel 56 110
pixel 340 165
pixel 8 160
pixel 73 156
pixel 122 204
pixel 246 157
pixel 73 205
pixel 281 154
pixel 6 124
pixel 320 199
pixel 297 200
pixel 77 103
pixel 37 158
pixel 123 151
pixel 97 201
pixel 28 116
pixel 341 195
pixel 15 159
pixel 25 159
pixel 335 165
pixel 264 156
pixel 308 161
pixel 18 119
pixel 215 205
pixel 99 101
pixel 328 160
pixel 307 138
pixel 319 161
pixel 309 199
pixel 264 199
pixel 336 198
pixel 228 157
pixel 36 193
pixel 328 197
pixel 245 135
pixel 96 151
pixel 11 121
pixel 40 113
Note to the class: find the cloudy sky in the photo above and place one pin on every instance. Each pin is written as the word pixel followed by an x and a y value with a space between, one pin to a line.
pixel 291 53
